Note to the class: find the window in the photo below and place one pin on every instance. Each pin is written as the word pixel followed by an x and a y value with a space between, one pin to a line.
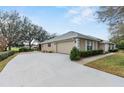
pixel 89 45
pixel 49 44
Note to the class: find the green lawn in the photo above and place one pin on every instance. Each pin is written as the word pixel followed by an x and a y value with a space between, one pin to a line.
pixel 4 62
pixel 113 64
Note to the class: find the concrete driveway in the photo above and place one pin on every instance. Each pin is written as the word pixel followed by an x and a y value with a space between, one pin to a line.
pixel 44 69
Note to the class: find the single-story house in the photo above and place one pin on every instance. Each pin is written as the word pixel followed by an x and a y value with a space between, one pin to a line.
pixel 64 43
pixel 3 43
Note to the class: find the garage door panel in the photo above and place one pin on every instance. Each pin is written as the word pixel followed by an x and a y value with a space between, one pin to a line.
pixel 65 47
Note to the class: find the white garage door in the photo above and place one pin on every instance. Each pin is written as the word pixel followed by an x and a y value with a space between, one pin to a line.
pixel 65 47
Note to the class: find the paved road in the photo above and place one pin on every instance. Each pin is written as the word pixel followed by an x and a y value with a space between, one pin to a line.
pixel 38 69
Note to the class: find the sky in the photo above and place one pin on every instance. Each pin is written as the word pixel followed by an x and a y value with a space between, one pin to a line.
pixel 62 19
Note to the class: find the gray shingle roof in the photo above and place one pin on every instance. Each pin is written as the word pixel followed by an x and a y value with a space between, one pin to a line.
pixel 70 35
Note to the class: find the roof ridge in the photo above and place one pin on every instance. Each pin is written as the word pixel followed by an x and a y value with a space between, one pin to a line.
pixel 71 34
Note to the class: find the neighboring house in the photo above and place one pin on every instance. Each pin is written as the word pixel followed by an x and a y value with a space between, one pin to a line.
pixel 64 43
pixel 3 43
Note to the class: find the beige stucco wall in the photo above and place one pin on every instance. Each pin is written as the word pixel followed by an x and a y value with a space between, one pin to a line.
pixel 82 44
pixel 104 47
pixel 101 46
pixel 45 47
pixel 65 46
pixel 96 45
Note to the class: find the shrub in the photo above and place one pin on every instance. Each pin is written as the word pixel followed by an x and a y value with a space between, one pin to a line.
pixel 99 51
pixel 6 54
pixel 90 53
pixel 113 50
pixel 84 53
pixel 24 49
pixel 75 54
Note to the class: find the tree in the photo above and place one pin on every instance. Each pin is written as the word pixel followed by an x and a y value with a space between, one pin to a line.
pixel 52 36
pixel 121 44
pixel 17 29
pixel 114 17
pixel 44 35
pixel 117 33
pixel 10 26
pixel 30 33
pixel 3 43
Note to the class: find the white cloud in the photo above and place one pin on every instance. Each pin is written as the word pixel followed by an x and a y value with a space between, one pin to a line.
pixel 72 12
pixel 76 20
pixel 87 12
pixel 79 15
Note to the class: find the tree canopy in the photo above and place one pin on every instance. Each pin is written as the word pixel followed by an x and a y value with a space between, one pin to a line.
pixel 114 17
pixel 15 29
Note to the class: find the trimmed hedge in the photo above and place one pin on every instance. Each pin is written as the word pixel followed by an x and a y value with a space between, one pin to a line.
pixel 90 53
pixel 75 54
pixel 24 49
pixel 114 50
pixel 4 55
